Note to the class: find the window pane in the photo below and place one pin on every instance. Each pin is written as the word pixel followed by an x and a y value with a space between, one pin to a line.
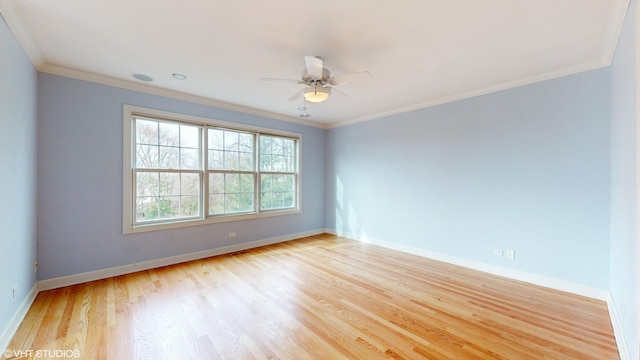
pixel 277 154
pixel 216 204
pixel 216 183
pixel 277 200
pixel 166 195
pixel 165 145
pixel 290 182
pixel 266 163
pixel 147 192
pixel 277 191
pixel 169 184
pixel 288 199
pixel 276 146
pixel 231 203
pixel 216 139
pixel 169 157
pixel 189 159
pixel 189 136
pixel 246 183
pixel 146 208
pixel 246 161
pixel 230 150
pixel 216 160
pixel 246 143
pixel 231 141
pixel 147 184
pixel 266 200
pixel 190 184
pixel 289 148
pixel 190 206
pixel 230 160
pixel 231 193
pixel 278 163
pixel 246 202
pixel 288 155
pixel 231 183
pixel 266 183
pixel 169 207
pixel 276 184
pixel 169 134
pixel 146 132
pixel 246 197
pixel 146 156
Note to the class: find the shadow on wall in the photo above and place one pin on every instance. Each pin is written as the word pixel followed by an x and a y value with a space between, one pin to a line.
pixel 347 222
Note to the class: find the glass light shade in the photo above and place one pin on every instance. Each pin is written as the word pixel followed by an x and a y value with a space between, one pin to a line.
pixel 316 94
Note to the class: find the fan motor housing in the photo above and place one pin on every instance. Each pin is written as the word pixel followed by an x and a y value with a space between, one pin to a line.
pixel 312 80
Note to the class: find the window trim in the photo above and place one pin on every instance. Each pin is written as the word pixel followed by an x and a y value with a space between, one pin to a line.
pixel 128 210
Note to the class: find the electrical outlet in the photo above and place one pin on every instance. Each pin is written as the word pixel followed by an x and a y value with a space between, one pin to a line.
pixel 232 234
pixel 510 254
pixel 497 252
pixel 35 266
pixel 14 291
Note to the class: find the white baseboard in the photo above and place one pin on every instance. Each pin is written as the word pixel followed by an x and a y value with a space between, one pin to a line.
pixel 15 322
pixel 535 279
pixel 127 269
pixel 561 285
pixel 616 322
pixel 548 282
pixel 9 331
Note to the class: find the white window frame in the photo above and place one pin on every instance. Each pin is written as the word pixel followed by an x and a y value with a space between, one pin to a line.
pixel 128 203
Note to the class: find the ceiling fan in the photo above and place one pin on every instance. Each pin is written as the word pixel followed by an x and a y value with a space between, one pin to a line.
pixel 318 80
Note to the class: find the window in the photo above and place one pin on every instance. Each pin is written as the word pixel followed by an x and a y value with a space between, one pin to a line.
pixel 166 171
pixel 277 172
pixel 231 172
pixel 182 171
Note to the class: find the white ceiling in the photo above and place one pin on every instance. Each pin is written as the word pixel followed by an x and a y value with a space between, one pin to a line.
pixel 420 52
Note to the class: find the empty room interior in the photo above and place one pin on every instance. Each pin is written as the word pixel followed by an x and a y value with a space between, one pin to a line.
pixel 335 180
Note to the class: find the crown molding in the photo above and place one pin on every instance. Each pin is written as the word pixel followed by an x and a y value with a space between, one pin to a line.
pixel 14 20
pixel 484 91
pixel 617 19
pixel 616 22
pixel 154 90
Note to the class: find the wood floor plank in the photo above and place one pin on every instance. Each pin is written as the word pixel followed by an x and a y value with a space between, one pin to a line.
pixel 321 297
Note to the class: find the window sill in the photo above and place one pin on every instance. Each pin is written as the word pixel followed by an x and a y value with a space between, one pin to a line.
pixel 211 220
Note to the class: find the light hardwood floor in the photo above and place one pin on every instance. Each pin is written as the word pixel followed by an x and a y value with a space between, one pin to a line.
pixel 321 297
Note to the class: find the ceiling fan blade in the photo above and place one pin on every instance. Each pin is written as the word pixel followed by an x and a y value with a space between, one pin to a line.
pixel 338 91
pixel 314 66
pixel 292 81
pixel 346 78
pixel 296 96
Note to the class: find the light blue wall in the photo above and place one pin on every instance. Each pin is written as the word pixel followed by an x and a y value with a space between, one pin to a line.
pixel 547 169
pixel 524 169
pixel 624 183
pixel 17 174
pixel 80 181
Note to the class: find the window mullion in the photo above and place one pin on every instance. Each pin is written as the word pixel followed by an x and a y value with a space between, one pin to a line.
pixel 204 175
pixel 256 146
